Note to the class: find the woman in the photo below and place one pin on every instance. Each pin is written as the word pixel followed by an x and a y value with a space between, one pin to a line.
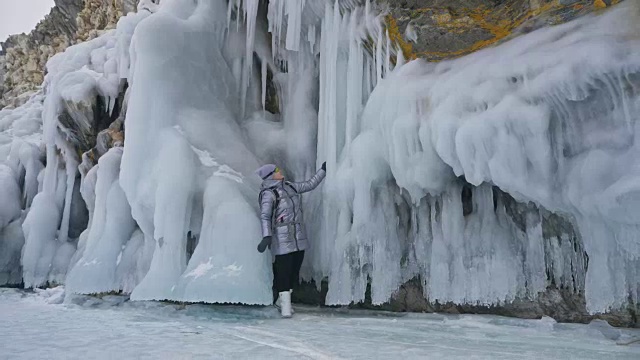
pixel 281 217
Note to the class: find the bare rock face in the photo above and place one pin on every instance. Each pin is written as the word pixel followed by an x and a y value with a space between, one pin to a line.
pixel 89 126
pixel 77 122
pixel 23 57
pixel 70 9
pixel 445 29
pixel 98 16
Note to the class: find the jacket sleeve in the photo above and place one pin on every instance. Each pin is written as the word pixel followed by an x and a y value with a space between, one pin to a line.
pixel 267 200
pixel 303 187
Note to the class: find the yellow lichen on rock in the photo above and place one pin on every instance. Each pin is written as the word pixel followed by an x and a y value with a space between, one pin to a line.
pixel 498 23
pixel 443 18
pixel 397 38
pixel 599 4
pixel 458 24
pixel 454 30
pixel 505 26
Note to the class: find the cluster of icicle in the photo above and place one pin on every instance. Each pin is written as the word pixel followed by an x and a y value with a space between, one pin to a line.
pixel 549 117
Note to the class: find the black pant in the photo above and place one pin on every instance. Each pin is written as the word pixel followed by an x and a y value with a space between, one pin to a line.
pixel 287 270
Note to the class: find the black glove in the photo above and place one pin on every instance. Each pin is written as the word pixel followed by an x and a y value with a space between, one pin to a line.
pixel 266 241
pixel 324 166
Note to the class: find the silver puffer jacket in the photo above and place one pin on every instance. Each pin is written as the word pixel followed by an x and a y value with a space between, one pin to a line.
pixel 284 220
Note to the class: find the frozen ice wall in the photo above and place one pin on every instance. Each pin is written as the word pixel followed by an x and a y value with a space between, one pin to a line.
pixel 183 131
pixel 437 172
pixel 549 117
pixel 20 167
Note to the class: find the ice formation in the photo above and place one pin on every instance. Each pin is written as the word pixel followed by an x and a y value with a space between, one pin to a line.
pixel 548 117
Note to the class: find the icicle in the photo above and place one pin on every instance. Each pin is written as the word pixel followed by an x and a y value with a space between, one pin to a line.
pixel 112 105
pixel 251 13
pixel 229 10
pixel 332 153
pixel 326 21
pixel 49 121
pixel 294 24
pixel 280 18
pixel 379 62
pixel 72 168
pixel 311 36
pixel 275 16
pixel 387 62
pixel 355 75
pixel 411 34
pixel 272 20
pixel 271 15
pixel 367 10
pixel 367 80
pixel 238 12
pixel 400 60
pixel 264 83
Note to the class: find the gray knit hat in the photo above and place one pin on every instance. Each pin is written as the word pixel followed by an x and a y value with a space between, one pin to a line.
pixel 266 171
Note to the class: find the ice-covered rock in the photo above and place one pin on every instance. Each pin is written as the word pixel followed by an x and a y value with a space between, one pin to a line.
pixel 503 178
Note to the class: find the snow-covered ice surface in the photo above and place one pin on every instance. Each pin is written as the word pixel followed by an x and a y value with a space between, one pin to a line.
pixel 46 325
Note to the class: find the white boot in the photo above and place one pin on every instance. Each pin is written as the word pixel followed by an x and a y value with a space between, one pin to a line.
pixel 279 300
pixel 285 304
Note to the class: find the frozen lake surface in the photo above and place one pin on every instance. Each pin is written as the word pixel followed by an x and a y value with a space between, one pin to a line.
pixel 43 324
